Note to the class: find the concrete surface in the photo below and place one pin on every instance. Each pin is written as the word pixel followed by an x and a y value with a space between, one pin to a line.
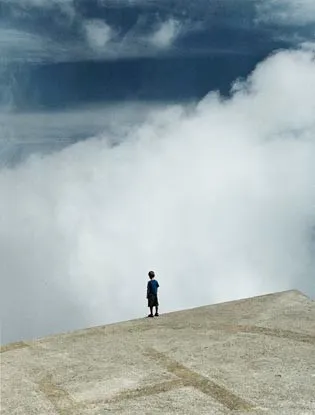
pixel 250 356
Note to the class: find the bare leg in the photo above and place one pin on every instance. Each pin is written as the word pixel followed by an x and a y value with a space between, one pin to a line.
pixel 156 311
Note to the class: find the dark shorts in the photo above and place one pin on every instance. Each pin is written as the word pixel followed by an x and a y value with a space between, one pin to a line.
pixel 153 300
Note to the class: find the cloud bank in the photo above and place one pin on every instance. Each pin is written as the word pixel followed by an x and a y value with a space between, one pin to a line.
pixel 72 35
pixel 287 12
pixel 218 199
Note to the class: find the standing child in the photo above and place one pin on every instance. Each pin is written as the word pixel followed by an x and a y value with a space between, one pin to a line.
pixel 152 289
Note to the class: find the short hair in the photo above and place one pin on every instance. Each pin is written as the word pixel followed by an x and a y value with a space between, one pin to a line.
pixel 151 274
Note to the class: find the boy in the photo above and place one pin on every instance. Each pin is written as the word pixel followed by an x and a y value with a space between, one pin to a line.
pixel 152 289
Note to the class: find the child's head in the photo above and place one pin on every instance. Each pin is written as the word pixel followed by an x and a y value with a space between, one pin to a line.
pixel 151 275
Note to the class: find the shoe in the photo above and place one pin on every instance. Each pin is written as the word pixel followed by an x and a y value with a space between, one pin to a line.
pixel 156 314
pixel 150 315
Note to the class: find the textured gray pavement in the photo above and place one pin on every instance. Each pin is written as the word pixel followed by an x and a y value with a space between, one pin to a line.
pixel 249 356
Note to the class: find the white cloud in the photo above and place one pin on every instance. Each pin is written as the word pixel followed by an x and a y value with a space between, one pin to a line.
pixel 219 201
pixel 98 33
pixel 165 34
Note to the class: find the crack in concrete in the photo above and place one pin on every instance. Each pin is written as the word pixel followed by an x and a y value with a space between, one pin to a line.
pixel 287 334
pixel 202 383
pixel 64 404
pixel 61 399
pixel 184 378
pixel 144 391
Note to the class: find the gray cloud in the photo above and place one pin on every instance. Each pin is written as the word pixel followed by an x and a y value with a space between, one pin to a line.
pixel 98 42
pixel 97 38
pixel 68 6
pixel 287 12
pixel 91 37
pixel 218 199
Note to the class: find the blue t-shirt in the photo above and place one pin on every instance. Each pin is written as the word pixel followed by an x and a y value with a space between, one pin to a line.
pixel 153 286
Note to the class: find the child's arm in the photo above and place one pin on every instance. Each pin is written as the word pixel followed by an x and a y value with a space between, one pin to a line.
pixel 148 289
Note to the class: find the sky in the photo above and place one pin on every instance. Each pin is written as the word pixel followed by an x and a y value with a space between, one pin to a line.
pixel 158 135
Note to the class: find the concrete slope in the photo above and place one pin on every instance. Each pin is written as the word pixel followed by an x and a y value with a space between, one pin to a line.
pixel 255 355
